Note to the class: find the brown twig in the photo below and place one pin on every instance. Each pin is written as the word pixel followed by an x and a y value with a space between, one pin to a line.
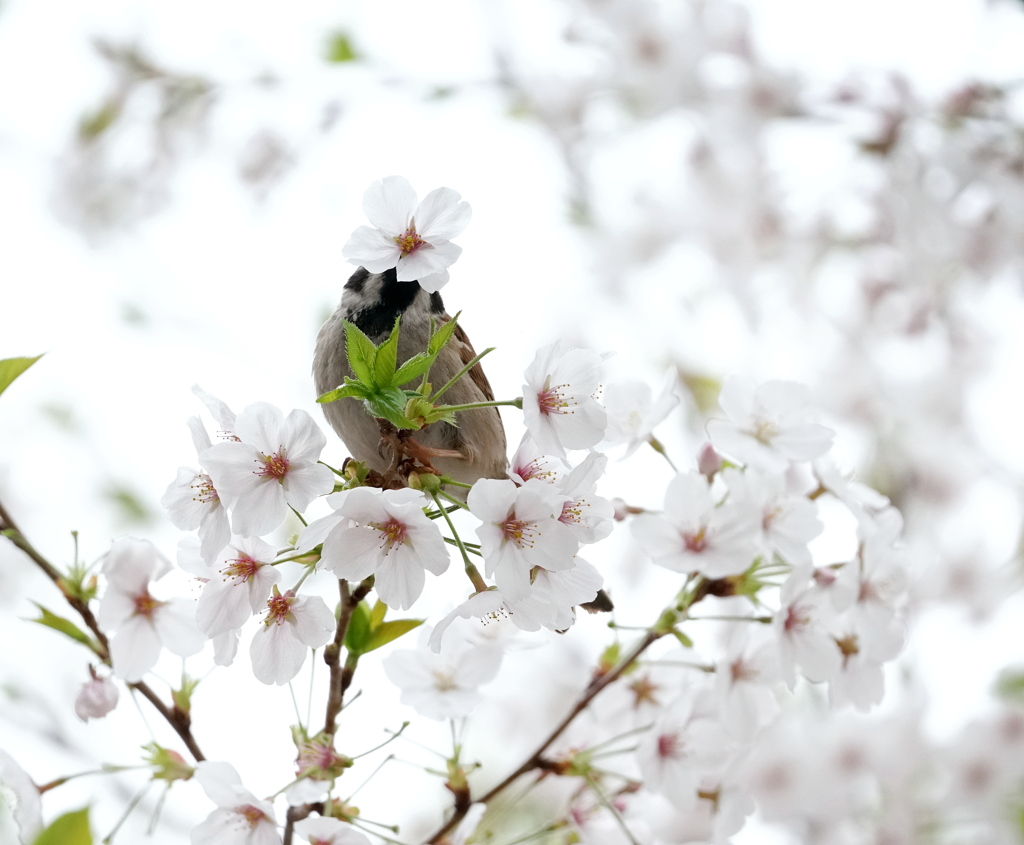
pixel 536 760
pixel 341 676
pixel 177 719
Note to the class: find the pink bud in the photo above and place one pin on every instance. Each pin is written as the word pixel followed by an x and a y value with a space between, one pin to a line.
pixel 96 698
pixel 709 461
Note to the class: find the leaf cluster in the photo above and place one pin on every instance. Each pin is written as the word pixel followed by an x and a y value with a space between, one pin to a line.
pixel 367 630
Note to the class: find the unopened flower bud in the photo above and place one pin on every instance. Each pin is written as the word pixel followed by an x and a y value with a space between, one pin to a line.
pixel 96 698
pixel 709 461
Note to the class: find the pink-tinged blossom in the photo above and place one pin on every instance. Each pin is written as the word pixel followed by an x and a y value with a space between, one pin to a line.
pixel 520 530
pixel 769 425
pixel 192 501
pixel 413 237
pixel 529 462
pixel 240 818
pixel 696 534
pixel 18 792
pixel 442 685
pixel 788 522
pixel 803 626
pixel 588 515
pixel 548 604
pixel 142 624
pixel 865 647
pixel 239 586
pixel 633 412
pixel 686 744
pixel 559 407
pixel 744 680
pixel 388 536
pixel 323 830
pixel 876 582
pixel 97 697
pixel 273 466
pixel 293 625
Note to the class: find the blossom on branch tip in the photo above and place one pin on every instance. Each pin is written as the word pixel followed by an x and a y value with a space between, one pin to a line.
pixel 96 698
pixel 412 236
pixel 240 818
pixel 271 467
pixel 293 625
pixel 559 405
pixel 386 535
pixel 633 412
pixel 142 624
pixel 323 830
pixel 239 586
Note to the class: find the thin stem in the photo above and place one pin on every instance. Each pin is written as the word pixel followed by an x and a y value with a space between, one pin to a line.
pixel 610 807
pixel 474 574
pixel 465 546
pixel 515 403
pixel 332 654
pixel 536 759
pixel 762 619
pixel 391 738
pixel 460 374
pixel 658 447
pixel 462 505
pixel 302 519
pixel 179 721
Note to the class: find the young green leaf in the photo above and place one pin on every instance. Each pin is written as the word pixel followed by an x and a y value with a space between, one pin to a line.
pixel 444 334
pixel 387 632
pixel 361 353
pixel 69 829
pixel 377 614
pixel 418 365
pixel 390 404
pixel 11 368
pixel 65 626
pixel 351 388
pixel 358 629
pixel 387 358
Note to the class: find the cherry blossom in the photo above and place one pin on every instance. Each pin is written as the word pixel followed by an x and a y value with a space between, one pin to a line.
pixel 633 413
pixel 386 534
pixel 96 698
pixel 413 237
pixel 18 792
pixel 323 830
pixel 559 404
pixel 442 685
pixel 744 677
pixel 769 425
pixel 271 467
pixel 520 530
pixel 695 533
pixel 239 587
pixel 240 818
pixel 142 624
pixel 293 625
pixel 804 629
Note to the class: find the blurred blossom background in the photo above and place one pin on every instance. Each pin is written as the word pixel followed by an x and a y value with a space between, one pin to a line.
pixel 819 191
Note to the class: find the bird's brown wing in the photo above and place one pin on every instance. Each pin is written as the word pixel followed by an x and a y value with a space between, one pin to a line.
pixel 467 354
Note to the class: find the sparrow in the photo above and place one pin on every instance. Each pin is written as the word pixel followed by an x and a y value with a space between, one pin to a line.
pixel 466 452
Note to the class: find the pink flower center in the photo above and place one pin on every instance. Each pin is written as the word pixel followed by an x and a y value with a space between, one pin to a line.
pixel 145 604
pixel 551 401
pixel 392 533
pixel 797 618
pixel 517 531
pixel 670 746
pixel 695 541
pixel 203 490
pixel 410 241
pixel 278 609
pixel 253 815
pixel 274 466
pixel 242 569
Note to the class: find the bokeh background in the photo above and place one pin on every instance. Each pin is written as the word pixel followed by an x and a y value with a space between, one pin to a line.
pixel 819 191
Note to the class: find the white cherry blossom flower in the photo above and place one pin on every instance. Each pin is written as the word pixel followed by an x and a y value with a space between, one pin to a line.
pixel 323 830
pixel 21 795
pixel 520 531
pixel 238 587
pixel 866 646
pixel 744 677
pixel 388 536
pixel 240 818
pixel 559 407
pixel 294 624
pixel 633 413
pixel 273 465
pixel 803 626
pixel 695 533
pixel 769 425
pixel 96 698
pixel 142 624
pixel 588 515
pixel 442 685
pixel 529 462
pixel 413 237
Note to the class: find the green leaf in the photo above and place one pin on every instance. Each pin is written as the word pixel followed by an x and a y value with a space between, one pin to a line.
pixel 440 338
pixel 1010 684
pixel 361 353
pixel 387 358
pixel 11 368
pixel 685 640
pixel 358 629
pixel 377 614
pixel 69 829
pixel 390 404
pixel 416 366
pixel 386 632
pixel 339 49
pixel 349 388
pixel 65 626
